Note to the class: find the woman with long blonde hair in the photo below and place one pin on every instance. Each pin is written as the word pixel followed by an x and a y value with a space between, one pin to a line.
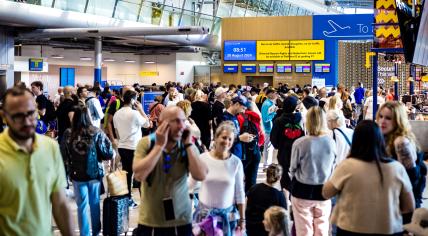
pixel 312 160
pixel 401 144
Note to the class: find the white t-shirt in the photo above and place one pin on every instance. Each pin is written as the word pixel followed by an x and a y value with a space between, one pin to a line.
pixel 369 105
pixel 128 123
pixel 224 184
pixel 342 146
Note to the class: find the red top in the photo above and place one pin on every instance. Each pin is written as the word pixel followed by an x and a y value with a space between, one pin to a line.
pixel 255 118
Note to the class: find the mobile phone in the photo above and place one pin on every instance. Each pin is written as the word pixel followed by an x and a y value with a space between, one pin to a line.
pixel 185 134
pixel 168 207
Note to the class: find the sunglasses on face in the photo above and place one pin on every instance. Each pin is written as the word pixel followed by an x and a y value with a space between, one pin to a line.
pixel 21 117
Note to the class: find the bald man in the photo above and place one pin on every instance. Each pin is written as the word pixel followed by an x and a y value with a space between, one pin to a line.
pixel 31 172
pixel 162 162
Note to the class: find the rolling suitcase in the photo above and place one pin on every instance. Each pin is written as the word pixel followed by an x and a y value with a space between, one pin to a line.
pixel 115 215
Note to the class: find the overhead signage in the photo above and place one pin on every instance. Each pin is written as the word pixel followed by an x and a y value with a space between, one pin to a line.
pixel 35 64
pixel 290 50
pixel 230 68
pixel 266 68
pixel 149 73
pixel 147 99
pixel 239 50
pixel 303 68
pixel 322 67
pixel 248 68
pixel 284 68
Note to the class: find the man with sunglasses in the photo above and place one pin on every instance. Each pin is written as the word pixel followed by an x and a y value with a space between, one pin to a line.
pixel 162 163
pixel 31 172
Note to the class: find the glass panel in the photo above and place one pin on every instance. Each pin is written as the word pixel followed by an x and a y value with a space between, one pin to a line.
pixel 156 13
pixel 76 5
pixel 206 21
pixel 101 7
pixel 46 3
pixel 174 3
pixel 207 9
pixel 224 9
pixel 250 13
pixel 217 26
pixel 127 10
pixel 170 16
pixel 253 5
pixel 238 11
pixel 189 18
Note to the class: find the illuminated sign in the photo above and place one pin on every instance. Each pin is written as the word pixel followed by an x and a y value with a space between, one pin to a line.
pixel 239 50
pixel 290 50
pixel 303 68
pixel 230 68
pixel 322 68
pixel 266 68
pixel 284 68
pixel 35 64
pixel 149 73
pixel 248 68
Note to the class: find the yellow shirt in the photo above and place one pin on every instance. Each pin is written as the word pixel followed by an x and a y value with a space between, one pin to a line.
pixel 27 181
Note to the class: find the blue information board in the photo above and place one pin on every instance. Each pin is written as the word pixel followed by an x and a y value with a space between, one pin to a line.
pixel 239 50
pixel 35 64
pixel 248 68
pixel 147 99
pixel 230 68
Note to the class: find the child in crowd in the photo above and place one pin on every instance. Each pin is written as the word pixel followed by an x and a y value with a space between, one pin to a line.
pixel 276 221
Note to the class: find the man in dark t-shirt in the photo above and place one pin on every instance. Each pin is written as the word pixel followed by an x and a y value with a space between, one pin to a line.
pixel 44 106
pixel 65 112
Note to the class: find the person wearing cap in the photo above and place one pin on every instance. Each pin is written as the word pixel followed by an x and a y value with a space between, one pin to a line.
pixel 218 107
pixel 238 105
pixel 269 109
pixel 285 130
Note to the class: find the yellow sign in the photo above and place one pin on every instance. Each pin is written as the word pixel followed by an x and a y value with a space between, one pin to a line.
pixel 149 73
pixel 290 50
pixel 273 50
pixel 301 50
pixel 368 55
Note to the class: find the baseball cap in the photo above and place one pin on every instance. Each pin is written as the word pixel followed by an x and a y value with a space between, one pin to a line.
pixel 219 91
pixel 241 99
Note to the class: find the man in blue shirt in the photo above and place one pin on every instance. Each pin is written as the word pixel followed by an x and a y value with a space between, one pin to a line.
pixel 237 106
pixel 269 109
pixel 359 99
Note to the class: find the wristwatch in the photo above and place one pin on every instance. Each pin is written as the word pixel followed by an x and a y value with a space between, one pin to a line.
pixel 186 145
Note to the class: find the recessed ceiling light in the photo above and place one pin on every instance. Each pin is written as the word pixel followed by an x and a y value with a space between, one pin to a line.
pixel 85 58
pixel 109 59
pixel 57 56
pixel 129 61
pixel 149 62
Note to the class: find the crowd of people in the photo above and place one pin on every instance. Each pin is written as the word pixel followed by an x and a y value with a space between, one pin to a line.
pixel 195 155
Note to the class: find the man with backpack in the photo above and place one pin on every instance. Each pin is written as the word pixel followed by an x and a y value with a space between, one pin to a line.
pixel 162 162
pixel 94 108
pixel 250 122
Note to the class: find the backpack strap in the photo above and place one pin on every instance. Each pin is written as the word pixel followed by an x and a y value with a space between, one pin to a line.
pixel 344 135
pixel 152 140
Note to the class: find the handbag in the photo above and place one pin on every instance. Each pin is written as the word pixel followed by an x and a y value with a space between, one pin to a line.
pixel 117 183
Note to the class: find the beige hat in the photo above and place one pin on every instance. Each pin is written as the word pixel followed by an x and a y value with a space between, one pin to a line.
pixel 419 224
pixel 219 91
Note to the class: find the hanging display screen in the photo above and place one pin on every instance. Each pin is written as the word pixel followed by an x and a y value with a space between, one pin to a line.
pixel 230 68
pixel 284 68
pixel 303 68
pixel 239 50
pixel 248 68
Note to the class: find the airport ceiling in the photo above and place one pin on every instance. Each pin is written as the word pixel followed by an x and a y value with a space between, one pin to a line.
pixel 367 4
